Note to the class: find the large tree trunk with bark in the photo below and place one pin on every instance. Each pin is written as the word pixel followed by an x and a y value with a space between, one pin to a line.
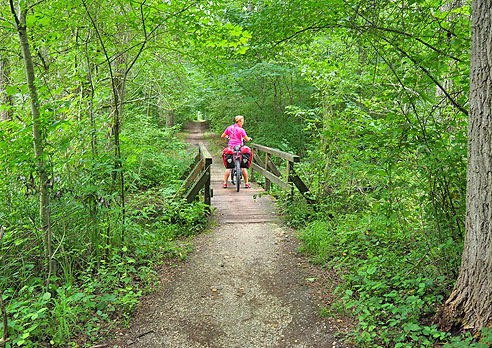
pixel 471 300
pixel 44 213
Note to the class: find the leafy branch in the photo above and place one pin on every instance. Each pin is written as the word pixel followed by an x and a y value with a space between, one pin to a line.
pixel 399 32
pixel 427 72
pixel 314 27
pixel 417 64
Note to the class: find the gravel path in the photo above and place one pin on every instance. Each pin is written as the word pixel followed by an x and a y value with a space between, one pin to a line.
pixel 241 287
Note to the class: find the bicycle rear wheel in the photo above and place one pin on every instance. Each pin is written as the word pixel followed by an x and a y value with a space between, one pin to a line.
pixel 238 174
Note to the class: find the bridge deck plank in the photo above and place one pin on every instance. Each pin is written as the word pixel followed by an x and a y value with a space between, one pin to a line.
pixel 247 205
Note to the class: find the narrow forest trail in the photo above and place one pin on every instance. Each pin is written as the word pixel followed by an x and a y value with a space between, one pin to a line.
pixel 242 287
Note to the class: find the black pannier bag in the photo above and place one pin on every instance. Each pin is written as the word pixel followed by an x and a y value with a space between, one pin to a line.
pixel 228 158
pixel 246 157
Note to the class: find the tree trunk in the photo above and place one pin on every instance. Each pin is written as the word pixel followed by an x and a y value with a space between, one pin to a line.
pixel 90 93
pixel 169 118
pixel 119 87
pixel 5 98
pixel 38 139
pixel 119 79
pixel 471 300
pixel 446 81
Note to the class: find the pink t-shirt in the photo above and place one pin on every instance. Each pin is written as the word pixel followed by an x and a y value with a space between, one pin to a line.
pixel 236 135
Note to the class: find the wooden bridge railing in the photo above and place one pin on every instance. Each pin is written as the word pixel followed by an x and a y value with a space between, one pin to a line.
pixel 199 173
pixel 198 177
pixel 266 167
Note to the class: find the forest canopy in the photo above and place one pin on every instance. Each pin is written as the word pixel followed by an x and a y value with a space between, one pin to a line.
pixel 373 95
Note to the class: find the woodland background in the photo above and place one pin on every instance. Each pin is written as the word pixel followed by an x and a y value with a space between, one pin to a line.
pixel 373 95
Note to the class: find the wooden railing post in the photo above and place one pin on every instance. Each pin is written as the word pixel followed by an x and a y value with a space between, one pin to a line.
pixel 198 178
pixel 207 190
pixel 267 181
pixel 205 155
pixel 252 175
pixel 290 169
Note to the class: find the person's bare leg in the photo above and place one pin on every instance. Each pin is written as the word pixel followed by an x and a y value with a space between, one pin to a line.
pixel 245 175
pixel 226 176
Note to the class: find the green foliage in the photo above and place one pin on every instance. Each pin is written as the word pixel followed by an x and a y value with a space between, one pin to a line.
pixel 28 314
pixel 297 212
pixel 388 285
pixel 387 168
pixel 154 156
pixel 468 341
pixel 348 86
pixel 260 91
pixel 104 288
pixel 71 310
pixel 104 264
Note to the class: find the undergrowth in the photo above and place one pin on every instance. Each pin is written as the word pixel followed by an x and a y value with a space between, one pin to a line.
pixel 393 281
pixel 384 286
pixel 106 254
pixel 104 291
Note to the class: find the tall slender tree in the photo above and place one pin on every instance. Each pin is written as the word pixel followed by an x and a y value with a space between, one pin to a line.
pixel 20 17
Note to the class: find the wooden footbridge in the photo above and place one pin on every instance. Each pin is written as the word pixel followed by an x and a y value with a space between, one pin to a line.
pixel 204 181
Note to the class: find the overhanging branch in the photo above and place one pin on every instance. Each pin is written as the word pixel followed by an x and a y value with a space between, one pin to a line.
pixel 313 27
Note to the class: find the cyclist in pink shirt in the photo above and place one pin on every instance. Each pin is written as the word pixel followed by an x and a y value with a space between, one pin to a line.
pixel 236 134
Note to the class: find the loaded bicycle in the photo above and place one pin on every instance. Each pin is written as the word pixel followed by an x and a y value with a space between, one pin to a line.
pixel 237 159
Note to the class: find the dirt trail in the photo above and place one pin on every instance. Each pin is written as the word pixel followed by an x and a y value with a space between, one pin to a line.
pixel 242 287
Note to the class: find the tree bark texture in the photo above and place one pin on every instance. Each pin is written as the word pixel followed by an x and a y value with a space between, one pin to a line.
pixel 38 140
pixel 471 300
pixel 5 98
pixel 119 78
pixel 169 118
pixel 446 81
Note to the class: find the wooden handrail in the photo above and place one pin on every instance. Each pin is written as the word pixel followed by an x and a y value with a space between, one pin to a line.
pixel 204 154
pixel 275 179
pixel 273 175
pixel 285 155
pixel 198 177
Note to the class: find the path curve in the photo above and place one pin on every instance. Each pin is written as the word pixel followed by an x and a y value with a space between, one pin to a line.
pixel 241 287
